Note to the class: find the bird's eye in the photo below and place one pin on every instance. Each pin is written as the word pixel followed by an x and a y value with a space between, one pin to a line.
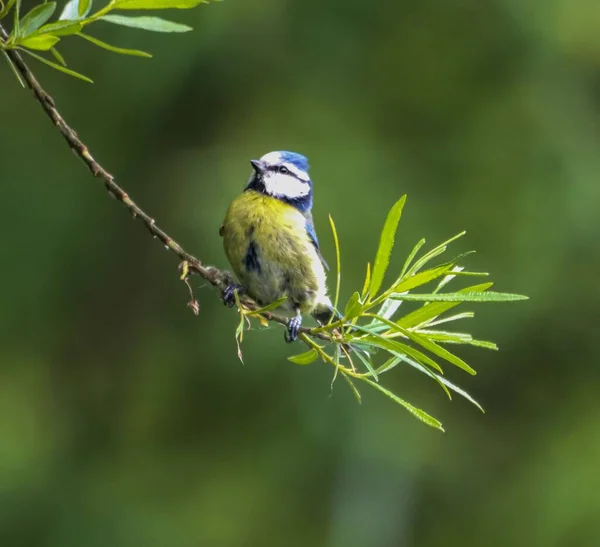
pixel 283 170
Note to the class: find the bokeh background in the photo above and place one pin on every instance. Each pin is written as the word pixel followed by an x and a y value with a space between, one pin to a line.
pixel 125 420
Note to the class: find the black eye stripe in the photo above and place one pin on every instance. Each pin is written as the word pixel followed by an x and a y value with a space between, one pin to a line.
pixel 275 169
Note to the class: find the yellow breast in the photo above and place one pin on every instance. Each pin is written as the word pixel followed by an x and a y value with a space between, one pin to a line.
pixel 269 249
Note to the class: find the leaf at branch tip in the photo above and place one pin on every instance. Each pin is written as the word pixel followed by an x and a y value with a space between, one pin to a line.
pixel 157 4
pixel 410 258
pixel 41 43
pixel 305 358
pixel 386 243
pixel 36 18
pixel 353 307
pixel 416 412
pixel 114 49
pixel 486 296
pixel 354 389
pixel 155 24
pixel 436 251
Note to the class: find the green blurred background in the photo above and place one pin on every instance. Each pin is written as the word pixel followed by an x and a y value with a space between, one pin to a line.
pixel 126 421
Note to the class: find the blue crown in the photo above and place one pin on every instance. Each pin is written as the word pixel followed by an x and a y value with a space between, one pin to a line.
pixel 300 161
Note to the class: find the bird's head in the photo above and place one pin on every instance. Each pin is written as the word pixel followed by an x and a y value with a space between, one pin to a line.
pixel 284 176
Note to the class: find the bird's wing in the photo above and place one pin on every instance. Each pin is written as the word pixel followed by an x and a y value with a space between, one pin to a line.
pixel 312 234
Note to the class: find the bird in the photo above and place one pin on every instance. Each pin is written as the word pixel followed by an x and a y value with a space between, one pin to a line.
pixel 270 240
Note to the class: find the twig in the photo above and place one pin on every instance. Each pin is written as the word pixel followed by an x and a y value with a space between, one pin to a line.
pixel 216 277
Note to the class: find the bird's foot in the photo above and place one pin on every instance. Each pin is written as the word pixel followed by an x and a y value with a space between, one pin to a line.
pixel 229 294
pixel 293 328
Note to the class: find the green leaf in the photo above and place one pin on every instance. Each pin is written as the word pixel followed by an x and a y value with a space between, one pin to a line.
pixel 270 307
pixel 438 350
pixel 486 296
pixel 367 362
pixel 36 18
pixel 386 243
pixel 6 9
pixel 13 68
pixel 16 27
pixel 155 24
pixel 58 56
pixel 388 308
pixel 70 12
pixel 60 28
pixel 367 281
pixel 434 309
pixel 394 347
pixel 338 263
pixel 422 278
pixel 417 412
pixel 436 251
pixel 42 43
pixel 84 8
pixel 422 368
pixel 354 389
pixel 353 307
pixel 305 358
pixel 157 4
pixel 410 258
pixel 57 67
pixel 464 315
pixel 114 49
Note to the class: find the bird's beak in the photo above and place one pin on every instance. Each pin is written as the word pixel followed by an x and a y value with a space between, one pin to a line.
pixel 258 166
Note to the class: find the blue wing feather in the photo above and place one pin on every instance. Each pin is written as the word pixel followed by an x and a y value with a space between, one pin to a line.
pixel 312 234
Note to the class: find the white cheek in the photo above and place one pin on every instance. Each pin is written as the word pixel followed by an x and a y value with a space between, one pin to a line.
pixel 281 185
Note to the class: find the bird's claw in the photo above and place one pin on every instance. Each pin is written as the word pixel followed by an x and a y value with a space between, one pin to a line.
pixel 293 328
pixel 229 294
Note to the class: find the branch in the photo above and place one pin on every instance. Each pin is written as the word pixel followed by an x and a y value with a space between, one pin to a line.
pixel 218 278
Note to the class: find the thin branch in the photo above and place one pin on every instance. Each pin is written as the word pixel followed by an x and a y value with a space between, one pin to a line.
pixel 216 277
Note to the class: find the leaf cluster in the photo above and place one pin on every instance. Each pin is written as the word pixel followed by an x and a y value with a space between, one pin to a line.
pixel 34 33
pixel 370 337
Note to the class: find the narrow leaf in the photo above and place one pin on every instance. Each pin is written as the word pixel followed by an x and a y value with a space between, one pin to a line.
pixel 84 8
pixel 155 24
pixel 13 68
pixel 338 262
pixel 114 49
pixel 353 307
pixel 305 358
pixel 436 251
pixel 36 18
pixel 60 28
pixel 58 56
pixel 434 309
pixel 57 67
pixel 157 4
pixel 354 389
pixel 459 390
pixel 422 278
pixel 438 350
pixel 416 412
pixel 367 281
pixel 486 296
pixel 6 9
pixel 42 43
pixel 70 12
pixel 270 307
pixel 410 258
pixel 386 244
pixel 367 362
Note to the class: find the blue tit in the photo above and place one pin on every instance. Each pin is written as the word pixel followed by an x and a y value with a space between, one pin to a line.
pixel 270 240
